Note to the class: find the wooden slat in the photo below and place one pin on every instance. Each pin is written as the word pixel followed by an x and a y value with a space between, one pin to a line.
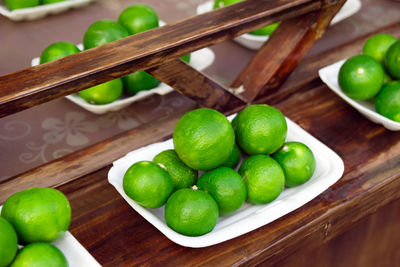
pixel 197 86
pixel 35 85
pixel 87 160
pixel 270 67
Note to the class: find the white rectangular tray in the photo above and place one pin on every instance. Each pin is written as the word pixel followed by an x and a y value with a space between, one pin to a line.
pixel 329 75
pixel 254 42
pixel 75 253
pixel 200 60
pixel 40 11
pixel 329 169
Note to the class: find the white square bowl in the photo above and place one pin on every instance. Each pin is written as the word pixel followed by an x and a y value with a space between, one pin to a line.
pixel 329 75
pixel 254 42
pixel 75 253
pixel 33 13
pixel 200 60
pixel 329 169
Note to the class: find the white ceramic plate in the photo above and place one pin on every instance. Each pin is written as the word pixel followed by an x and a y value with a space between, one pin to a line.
pixel 254 42
pixel 329 169
pixel 75 253
pixel 200 60
pixel 40 11
pixel 329 75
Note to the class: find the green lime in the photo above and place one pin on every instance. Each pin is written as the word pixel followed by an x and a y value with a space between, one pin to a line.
pixel 227 188
pixel 38 214
pixel 234 122
pixel 386 78
pixel 203 139
pixel 264 178
pixel 377 46
pixel 139 81
pixel 148 184
pixel 58 50
pixel 138 18
pixel 387 102
pixel 103 93
pixel 182 175
pixel 40 254
pixel 392 60
pixel 102 32
pixel 234 158
pixel 361 77
pixel 260 129
pixel 191 212
pixel 186 58
pixel 8 242
pixel 18 4
pixel 297 162
pixel 46 2
pixel 265 31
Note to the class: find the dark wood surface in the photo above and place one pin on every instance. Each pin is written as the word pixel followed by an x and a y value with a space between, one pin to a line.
pixel 374 241
pixel 30 87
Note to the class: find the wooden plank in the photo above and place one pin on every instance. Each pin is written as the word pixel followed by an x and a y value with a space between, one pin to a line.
pixel 87 160
pixel 39 84
pixel 375 241
pixel 197 86
pixel 277 58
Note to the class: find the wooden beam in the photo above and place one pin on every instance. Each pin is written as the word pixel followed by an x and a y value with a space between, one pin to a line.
pixel 281 54
pixel 39 84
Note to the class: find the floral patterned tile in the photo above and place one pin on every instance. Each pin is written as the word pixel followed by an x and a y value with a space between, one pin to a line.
pixel 34 137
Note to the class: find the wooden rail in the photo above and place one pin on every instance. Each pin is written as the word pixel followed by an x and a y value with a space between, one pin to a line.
pixel 39 84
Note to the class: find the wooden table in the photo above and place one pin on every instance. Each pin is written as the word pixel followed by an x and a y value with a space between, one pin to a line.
pixel 353 223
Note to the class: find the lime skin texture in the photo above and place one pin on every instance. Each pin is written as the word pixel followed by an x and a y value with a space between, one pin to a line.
pixel 297 162
pixel 203 139
pixel 40 254
pixel 361 77
pixel 191 212
pixel 182 175
pixel 18 4
pixel 392 60
pixel 8 242
pixel 264 178
pixel 234 158
pixel 103 93
pixel 387 102
pixel 58 50
pixel 260 129
pixel 377 46
pixel 102 32
pixel 227 188
pixel 138 18
pixel 139 81
pixel 38 214
pixel 148 184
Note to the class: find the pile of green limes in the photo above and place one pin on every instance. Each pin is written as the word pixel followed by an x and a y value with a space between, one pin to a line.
pixel 204 140
pixel 33 218
pixel 134 19
pixel 18 4
pixel 374 75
